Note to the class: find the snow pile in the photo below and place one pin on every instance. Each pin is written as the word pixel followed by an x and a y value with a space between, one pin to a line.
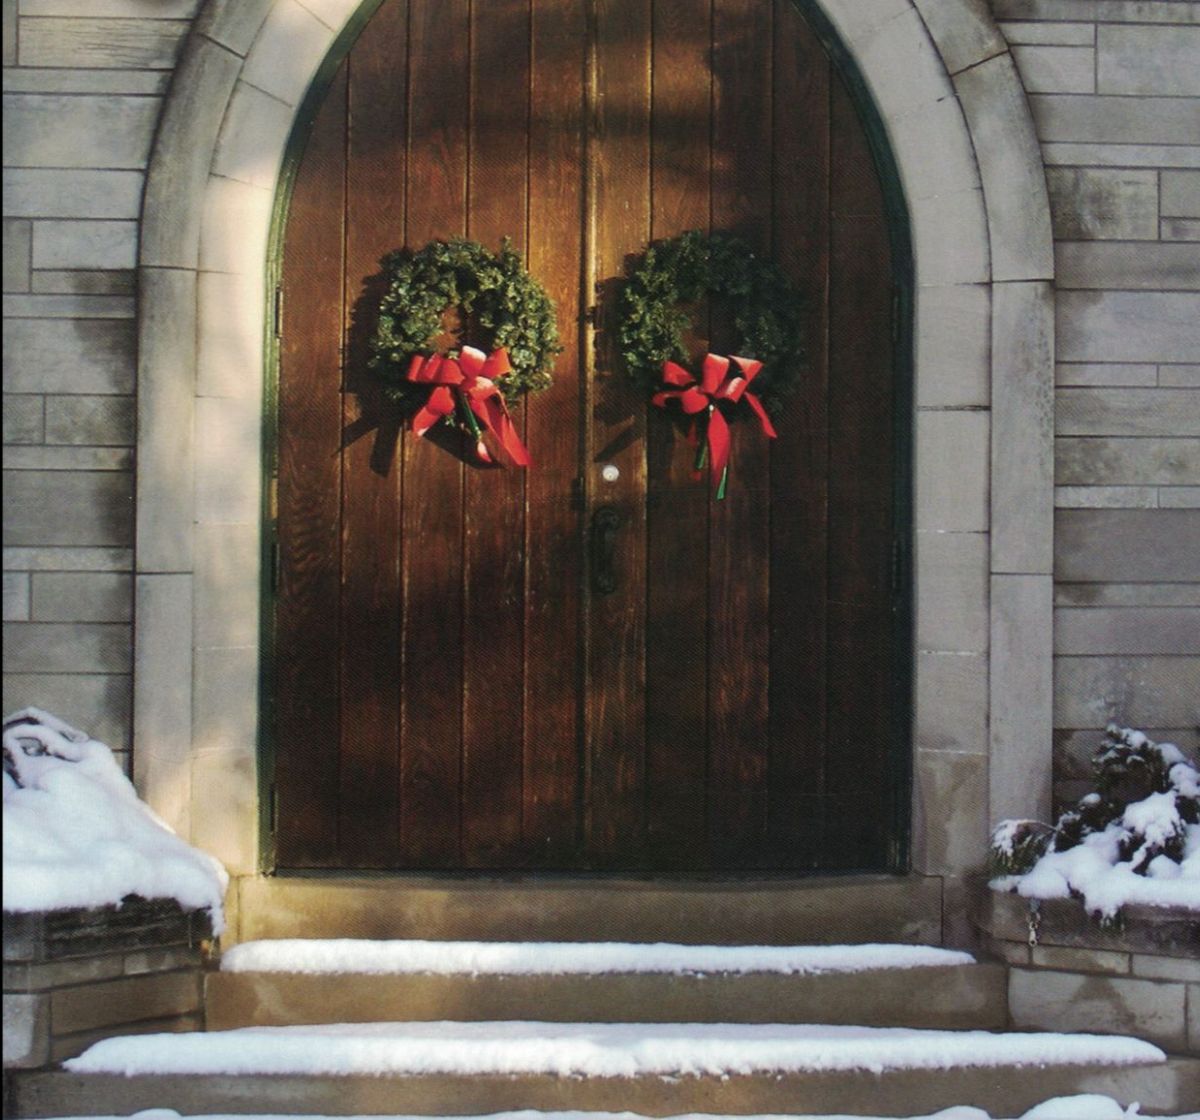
pixel 76 834
pixel 594 1050
pixel 1135 841
pixel 577 958
pixel 1086 1106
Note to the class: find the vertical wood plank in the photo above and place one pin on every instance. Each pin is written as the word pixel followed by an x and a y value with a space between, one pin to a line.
pixel 860 494
pixel 553 538
pixel 677 506
pixel 494 508
pixel 432 563
pixel 619 178
pixel 799 457
pixel 739 533
pixel 371 609
pixel 309 494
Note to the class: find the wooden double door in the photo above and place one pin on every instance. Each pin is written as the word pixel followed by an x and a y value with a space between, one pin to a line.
pixel 450 688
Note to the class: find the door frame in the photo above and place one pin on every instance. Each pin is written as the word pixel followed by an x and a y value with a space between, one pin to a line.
pixel 982 522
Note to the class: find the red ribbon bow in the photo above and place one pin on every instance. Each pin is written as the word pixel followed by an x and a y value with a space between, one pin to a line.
pixel 469 380
pixel 717 386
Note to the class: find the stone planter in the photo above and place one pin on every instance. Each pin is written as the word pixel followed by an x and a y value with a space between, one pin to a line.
pixel 1069 974
pixel 72 977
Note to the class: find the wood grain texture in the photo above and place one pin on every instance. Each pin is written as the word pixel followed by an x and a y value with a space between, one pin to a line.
pixel 310 422
pixel 432 525
pixel 677 506
pixel 494 499
pixel 369 803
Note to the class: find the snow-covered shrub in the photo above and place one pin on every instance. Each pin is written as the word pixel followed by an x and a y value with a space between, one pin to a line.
pixel 77 835
pixel 1135 839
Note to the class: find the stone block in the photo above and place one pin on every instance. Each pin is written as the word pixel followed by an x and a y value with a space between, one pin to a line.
pixel 32 192
pixel 1103 203
pixel 234 228
pixel 1022 449
pixel 1105 373
pixel 1107 120
pixel 38 977
pixel 963 30
pixel 1166 968
pixel 170 959
pixel 233 23
pixel 225 702
pixel 59 458
pixel 950 812
pixel 287 51
pixel 230 343
pixel 84 244
pixel 8 32
pixel 1067 959
pixel 1105 497
pixel 1179 497
pixel 332 13
pixel 1127 595
pixel 1127 412
pixel 1128 327
pixel 60 130
pixel 184 146
pixel 100 702
pixel 1064 1001
pixel 166 418
pixel 953 346
pixel 1130 266
pixel 1136 630
pixel 1179 229
pixel 18 238
pixel 1118 461
pixel 250 147
pixel 163 712
pixel 93 356
pixel 16 596
pixel 1050 34
pixel 1010 164
pixel 857 21
pixel 82 596
pixel 1113 546
pixel 73 1045
pixel 952 588
pixel 90 508
pixel 1056 69
pixel 1193 1023
pixel 1180 194
pixel 26 1030
pixel 112 9
pixel 934 151
pixel 952 470
pixel 1119 155
pixel 92 421
pixel 68 559
pixel 225 805
pixel 36 647
pixel 1133 691
pixel 227 587
pixel 68 307
pixel 86 281
pixel 951 239
pixel 1136 61
pixel 1021 697
pixel 1113 11
pixel 77 41
pixel 127 1000
pixel 228 460
pixel 951 702
pixel 24 418
pixel 59 80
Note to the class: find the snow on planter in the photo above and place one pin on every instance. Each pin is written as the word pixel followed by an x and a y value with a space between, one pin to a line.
pixel 77 835
pixel 594 1050
pixel 515 958
pixel 1134 841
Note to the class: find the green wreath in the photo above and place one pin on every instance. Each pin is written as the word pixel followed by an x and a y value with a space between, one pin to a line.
pixel 504 303
pixel 681 270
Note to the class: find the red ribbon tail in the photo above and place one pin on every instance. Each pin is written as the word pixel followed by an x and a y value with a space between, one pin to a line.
pixel 767 427
pixel 493 412
pixel 440 404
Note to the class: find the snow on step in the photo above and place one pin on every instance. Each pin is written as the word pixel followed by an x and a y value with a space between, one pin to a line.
pixel 594 1050
pixel 517 958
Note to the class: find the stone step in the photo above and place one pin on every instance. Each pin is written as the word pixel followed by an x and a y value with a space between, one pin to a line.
pixel 949 997
pixel 895 908
pixel 1169 1089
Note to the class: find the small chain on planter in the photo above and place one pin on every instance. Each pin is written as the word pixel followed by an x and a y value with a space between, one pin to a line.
pixel 1035 922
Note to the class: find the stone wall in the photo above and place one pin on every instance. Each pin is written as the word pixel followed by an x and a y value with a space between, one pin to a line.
pixel 1115 92
pixel 83 86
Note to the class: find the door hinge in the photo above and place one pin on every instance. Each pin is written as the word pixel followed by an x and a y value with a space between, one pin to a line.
pixel 277 311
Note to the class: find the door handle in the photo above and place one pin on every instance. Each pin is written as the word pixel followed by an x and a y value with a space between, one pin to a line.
pixel 605 523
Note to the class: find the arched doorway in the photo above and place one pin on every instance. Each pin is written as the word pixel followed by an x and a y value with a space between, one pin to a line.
pixel 451 689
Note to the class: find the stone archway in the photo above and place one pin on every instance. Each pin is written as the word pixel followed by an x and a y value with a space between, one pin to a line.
pixel 956 119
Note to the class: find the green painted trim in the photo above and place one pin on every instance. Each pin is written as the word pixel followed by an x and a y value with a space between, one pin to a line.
pixel 900 759
pixel 292 156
